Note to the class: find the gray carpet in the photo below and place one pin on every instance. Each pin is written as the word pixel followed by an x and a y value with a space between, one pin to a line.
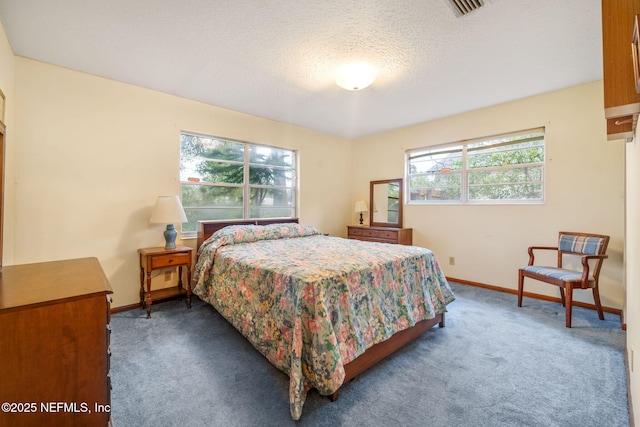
pixel 494 364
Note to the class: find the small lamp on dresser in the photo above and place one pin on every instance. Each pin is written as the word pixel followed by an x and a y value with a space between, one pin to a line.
pixel 361 206
pixel 168 210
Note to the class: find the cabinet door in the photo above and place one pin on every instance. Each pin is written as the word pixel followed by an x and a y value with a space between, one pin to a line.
pixel 2 130
pixel 620 97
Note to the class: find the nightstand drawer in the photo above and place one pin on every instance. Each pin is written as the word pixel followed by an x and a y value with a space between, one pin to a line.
pixel 168 260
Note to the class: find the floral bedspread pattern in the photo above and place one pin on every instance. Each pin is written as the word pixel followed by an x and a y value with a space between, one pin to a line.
pixel 312 303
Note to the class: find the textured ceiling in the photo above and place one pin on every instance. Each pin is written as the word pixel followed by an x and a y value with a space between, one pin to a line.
pixel 277 58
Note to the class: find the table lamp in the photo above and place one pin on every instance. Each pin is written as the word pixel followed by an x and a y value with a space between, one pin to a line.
pixel 168 210
pixel 361 206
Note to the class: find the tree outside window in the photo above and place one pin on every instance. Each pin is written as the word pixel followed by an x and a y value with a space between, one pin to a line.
pixel 226 179
pixel 506 168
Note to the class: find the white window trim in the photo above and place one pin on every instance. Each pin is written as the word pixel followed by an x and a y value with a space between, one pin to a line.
pixel 246 186
pixel 464 172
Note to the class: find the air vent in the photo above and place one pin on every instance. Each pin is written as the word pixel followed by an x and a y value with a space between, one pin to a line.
pixel 462 7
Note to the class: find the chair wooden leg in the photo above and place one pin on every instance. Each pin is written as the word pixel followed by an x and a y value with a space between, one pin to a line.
pixel 569 303
pixel 520 287
pixel 596 298
pixel 562 297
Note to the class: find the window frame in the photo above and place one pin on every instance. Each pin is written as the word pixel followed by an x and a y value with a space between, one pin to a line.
pixel 463 147
pixel 246 184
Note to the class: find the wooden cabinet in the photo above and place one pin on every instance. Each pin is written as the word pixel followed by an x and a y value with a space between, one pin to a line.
pixel 621 101
pixel 54 344
pixel 402 236
pixel 2 156
pixel 155 258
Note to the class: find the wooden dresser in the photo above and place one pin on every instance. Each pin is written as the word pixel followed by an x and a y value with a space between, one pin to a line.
pixel 402 236
pixel 54 344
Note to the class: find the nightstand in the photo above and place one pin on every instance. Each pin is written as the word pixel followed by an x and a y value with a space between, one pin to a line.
pixel 156 258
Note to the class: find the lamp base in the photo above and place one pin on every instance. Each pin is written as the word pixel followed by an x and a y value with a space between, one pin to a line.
pixel 361 219
pixel 170 235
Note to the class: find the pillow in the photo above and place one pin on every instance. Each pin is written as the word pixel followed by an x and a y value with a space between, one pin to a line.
pixel 235 234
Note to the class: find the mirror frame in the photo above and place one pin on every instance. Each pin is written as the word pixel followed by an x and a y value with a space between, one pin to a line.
pixel 373 223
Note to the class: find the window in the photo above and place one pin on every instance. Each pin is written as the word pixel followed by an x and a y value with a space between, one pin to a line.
pixel 499 169
pixel 226 179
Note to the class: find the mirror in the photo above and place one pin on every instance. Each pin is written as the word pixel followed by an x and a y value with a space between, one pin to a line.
pixel 385 203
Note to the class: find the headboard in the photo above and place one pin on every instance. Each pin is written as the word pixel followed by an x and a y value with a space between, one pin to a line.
pixel 207 228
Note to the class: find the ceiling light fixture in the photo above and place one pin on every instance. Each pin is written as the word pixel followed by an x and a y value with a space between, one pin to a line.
pixel 355 76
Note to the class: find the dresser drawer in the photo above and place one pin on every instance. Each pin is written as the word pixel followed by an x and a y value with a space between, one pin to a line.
pixel 390 235
pixel 379 234
pixel 168 260
pixel 373 234
pixel 356 232
pixel 370 233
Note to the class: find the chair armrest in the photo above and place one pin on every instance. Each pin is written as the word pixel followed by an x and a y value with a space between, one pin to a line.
pixel 588 257
pixel 585 265
pixel 532 248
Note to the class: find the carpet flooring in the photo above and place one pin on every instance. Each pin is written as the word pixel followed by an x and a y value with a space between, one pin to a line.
pixel 494 364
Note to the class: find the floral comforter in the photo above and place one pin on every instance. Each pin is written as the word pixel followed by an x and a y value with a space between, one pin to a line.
pixel 312 303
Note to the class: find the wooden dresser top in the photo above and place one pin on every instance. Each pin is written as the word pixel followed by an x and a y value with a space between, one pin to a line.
pixel 367 227
pixel 27 285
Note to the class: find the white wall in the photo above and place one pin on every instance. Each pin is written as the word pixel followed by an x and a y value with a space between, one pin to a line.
pixel 584 189
pixel 7 85
pixel 633 267
pixel 93 154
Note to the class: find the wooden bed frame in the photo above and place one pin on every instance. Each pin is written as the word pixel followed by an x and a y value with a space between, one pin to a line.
pixel 372 355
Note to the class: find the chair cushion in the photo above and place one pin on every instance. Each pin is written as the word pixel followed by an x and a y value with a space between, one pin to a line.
pixel 580 244
pixel 556 273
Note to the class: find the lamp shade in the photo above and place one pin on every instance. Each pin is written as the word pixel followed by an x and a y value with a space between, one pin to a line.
pixel 361 206
pixel 168 210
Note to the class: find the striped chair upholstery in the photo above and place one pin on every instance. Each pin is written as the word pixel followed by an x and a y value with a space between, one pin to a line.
pixel 587 246
pixel 579 244
pixel 556 273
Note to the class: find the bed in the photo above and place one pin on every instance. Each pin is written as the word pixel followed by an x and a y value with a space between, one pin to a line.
pixel 322 309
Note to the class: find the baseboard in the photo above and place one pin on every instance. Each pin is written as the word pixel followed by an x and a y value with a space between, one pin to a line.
pixel 138 305
pixel 125 308
pixel 611 310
